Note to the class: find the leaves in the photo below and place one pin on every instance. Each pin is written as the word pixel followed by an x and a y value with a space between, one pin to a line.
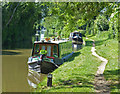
pixel 20 23
pixel 60 17
pixel 72 14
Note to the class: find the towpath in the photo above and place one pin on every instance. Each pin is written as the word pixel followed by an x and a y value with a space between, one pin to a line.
pixel 101 85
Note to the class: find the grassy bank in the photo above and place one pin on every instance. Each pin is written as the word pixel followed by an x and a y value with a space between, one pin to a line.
pixel 108 48
pixel 75 75
pixel 78 73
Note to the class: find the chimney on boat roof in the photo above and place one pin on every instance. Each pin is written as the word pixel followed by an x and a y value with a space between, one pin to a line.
pixel 37 35
pixel 42 33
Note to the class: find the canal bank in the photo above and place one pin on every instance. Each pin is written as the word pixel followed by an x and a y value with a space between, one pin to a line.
pixel 75 75
pixel 78 73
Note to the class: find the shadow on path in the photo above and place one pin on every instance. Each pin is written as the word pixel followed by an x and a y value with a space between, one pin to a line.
pixel 97 43
pixel 113 75
pixel 76 82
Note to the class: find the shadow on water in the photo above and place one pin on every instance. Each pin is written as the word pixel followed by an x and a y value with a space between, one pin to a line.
pixel 10 53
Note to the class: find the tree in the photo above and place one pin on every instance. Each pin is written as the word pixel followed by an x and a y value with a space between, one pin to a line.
pixel 72 15
pixel 18 23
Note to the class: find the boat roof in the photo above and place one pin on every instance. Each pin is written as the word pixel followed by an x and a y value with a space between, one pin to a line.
pixel 51 42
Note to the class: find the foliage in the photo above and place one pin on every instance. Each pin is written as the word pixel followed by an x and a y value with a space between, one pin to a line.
pixel 102 23
pixel 21 19
pixel 69 16
pixel 113 23
pixel 18 23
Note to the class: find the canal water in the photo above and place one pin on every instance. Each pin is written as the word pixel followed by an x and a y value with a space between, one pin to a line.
pixel 15 74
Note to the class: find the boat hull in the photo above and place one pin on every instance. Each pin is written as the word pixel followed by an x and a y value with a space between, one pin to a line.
pixel 45 67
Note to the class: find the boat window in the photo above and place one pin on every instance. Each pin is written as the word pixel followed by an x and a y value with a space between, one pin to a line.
pixel 37 48
pixel 55 50
pixel 49 51
pixel 43 47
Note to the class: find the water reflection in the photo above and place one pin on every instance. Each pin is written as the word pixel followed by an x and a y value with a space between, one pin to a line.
pixel 34 78
pixel 15 74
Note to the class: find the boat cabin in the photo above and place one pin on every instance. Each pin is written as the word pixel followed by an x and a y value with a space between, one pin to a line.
pixel 47 56
pixel 54 49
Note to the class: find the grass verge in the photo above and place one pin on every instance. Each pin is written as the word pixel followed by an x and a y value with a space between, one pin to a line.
pixel 108 48
pixel 75 75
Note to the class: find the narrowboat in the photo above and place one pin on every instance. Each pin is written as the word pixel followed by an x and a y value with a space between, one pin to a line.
pixel 76 38
pixel 49 55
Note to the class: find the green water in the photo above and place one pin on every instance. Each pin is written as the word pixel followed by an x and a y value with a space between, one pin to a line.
pixel 15 71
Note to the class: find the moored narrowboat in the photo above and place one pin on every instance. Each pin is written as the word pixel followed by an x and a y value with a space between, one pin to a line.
pixel 76 38
pixel 47 56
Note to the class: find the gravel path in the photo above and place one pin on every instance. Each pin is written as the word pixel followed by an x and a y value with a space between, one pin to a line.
pixel 101 85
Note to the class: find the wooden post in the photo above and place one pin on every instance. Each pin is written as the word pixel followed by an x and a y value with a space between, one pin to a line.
pixel 49 80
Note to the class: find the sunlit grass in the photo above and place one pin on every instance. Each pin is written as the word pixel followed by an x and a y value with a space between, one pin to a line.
pixel 110 52
pixel 75 75
pixel 108 48
pixel 78 73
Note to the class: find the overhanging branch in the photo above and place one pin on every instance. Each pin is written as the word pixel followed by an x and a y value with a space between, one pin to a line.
pixel 13 14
